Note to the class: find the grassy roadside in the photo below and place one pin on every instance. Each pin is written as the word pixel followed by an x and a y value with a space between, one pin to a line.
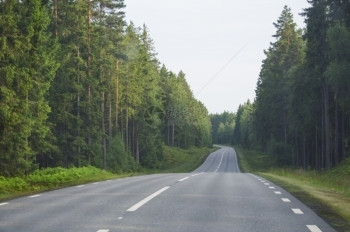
pixel 327 193
pixel 50 179
pixel 176 160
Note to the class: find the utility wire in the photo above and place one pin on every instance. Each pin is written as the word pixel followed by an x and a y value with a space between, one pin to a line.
pixel 221 69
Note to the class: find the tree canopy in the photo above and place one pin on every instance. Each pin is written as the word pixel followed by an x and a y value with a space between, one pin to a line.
pixel 80 86
pixel 300 115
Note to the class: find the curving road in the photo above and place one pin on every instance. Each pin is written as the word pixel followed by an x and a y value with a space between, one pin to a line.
pixel 215 197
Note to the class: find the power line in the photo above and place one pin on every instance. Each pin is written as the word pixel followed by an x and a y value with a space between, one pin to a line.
pixel 221 69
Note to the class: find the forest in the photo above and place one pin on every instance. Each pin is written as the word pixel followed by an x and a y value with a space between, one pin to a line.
pixel 301 113
pixel 80 86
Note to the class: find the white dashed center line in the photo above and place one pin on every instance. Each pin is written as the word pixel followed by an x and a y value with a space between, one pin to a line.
pixel 313 228
pixel 297 211
pixel 183 179
pixel 285 199
pixel 103 230
pixel 277 192
pixel 222 156
pixel 271 187
pixel 147 199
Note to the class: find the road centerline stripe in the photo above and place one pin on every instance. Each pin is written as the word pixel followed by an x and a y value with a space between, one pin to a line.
pixel 285 200
pixel 297 211
pixel 183 179
pixel 313 228
pixel 277 192
pixel 147 199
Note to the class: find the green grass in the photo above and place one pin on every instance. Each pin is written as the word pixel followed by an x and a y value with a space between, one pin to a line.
pixel 326 192
pixel 51 178
pixel 179 160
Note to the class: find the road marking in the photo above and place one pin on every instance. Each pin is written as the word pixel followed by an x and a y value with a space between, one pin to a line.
pixel 277 192
pixel 79 186
pixel 285 199
pixel 262 181
pixel 222 156
pixel 120 218
pixel 183 179
pixel 5 203
pixel 266 183
pixel 271 187
pixel 297 211
pixel 103 230
pixel 313 228
pixel 96 183
pixel 147 199
pixel 34 196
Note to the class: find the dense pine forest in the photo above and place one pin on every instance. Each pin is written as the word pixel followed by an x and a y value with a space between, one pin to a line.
pixel 301 113
pixel 80 86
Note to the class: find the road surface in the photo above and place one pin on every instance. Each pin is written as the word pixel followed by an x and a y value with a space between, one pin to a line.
pixel 216 197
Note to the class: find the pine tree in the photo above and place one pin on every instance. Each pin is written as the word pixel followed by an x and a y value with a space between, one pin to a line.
pixel 27 69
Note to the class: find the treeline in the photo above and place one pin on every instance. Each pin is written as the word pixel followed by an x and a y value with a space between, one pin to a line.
pixel 79 86
pixel 301 113
pixel 222 126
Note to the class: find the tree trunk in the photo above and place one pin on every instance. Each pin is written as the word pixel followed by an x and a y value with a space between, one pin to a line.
pixel 336 131
pixel 327 126
pixel 56 17
pixel 127 129
pixel 173 135
pixel 137 153
pixel 89 78
pixel 78 113
pixel 116 96
pixel 110 123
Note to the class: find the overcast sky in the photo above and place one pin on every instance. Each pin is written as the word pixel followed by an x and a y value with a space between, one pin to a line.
pixel 217 44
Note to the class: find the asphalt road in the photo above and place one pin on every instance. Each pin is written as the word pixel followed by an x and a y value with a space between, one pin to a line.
pixel 216 197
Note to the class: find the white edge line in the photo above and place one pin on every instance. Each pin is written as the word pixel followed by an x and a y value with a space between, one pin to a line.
pixel 183 179
pixel 147 199
pixel 277 192
pixel 271 187
pixel 34 196
pixel 5 203
pixel 313 228
pixel 79 186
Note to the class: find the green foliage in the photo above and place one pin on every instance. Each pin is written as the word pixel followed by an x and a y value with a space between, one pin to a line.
pixel 80 87
pixel 300 116
pixel 28 65
pixel 50 178
pixel 223 127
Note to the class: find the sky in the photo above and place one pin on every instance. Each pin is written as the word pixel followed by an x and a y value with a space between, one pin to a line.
pixel 219 44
